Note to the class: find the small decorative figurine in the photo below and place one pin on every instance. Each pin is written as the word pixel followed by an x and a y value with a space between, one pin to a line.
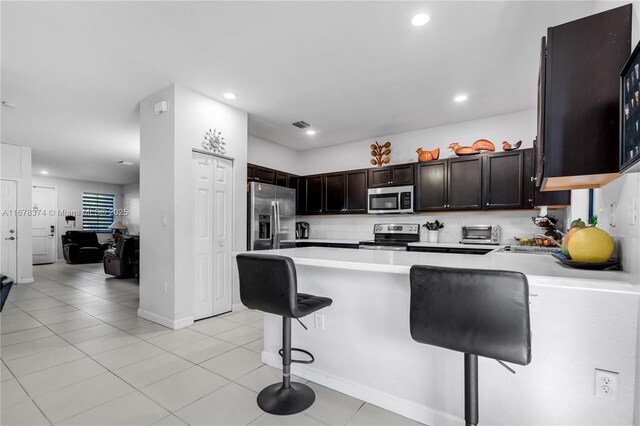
pixel 380 153
pixel 424 156
pixel 506 146
pixel 476 148
pixel 214 142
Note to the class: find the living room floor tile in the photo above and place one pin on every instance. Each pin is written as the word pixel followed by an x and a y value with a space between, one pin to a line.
pixel 233 364
pixel 203 350
pixel 184 387
pixel 43 360
pixel 82 396
pixel 127 355
pixel 60 376
pixel 130 409
pixel 151 370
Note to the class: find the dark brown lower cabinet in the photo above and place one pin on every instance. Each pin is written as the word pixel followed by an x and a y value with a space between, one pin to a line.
pixel 431 186
pixel 464 177
pixel 503 175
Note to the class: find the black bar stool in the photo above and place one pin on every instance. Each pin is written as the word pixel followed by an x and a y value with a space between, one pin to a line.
pixel 269 284
pixel 477 312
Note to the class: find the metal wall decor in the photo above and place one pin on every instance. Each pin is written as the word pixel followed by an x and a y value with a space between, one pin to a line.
pixel 214 142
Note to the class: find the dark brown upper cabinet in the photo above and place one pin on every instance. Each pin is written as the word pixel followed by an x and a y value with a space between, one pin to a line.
pixel 313 194
pixel 356 184
pixel 503 175
pixel 282 179
pixel 464 183
pixel 578 113
pixel 532 196
pixel 345 192
pixel 431 186
pixel 398 175
pixel 261 174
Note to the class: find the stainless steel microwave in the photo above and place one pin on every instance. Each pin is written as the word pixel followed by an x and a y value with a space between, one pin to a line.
pixel 392 199
pixel 480 234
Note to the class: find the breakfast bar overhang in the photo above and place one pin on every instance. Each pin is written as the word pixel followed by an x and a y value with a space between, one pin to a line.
pixel 580 321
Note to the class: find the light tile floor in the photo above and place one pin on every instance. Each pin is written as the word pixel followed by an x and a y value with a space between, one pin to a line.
pixel 75 352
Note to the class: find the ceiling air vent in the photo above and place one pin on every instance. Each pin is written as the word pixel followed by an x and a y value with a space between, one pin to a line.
pixel 301 124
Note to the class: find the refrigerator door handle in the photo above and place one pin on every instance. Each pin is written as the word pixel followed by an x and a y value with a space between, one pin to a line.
pixel 276 220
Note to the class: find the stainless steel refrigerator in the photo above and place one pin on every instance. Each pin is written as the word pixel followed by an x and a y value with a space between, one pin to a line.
pixel 271 217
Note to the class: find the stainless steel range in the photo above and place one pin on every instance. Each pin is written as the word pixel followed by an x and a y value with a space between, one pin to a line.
pixel 392 236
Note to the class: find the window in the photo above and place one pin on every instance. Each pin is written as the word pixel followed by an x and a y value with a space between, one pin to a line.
pixel 97 212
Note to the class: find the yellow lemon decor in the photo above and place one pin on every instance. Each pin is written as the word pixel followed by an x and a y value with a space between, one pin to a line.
pixel 591 245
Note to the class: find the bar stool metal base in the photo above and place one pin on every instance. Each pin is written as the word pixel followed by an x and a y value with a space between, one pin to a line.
pixel 276 399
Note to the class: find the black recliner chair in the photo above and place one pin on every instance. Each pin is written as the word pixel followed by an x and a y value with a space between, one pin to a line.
pixel 269 284
pixel 119 262
pixel 477 312
pixel 82 247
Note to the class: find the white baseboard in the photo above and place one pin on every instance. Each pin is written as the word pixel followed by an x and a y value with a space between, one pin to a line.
pixel 237 307
pixel 420 413
pixel 173 324
pixel 25 281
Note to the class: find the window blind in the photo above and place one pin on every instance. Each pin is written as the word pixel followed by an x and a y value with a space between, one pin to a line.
pixel 97 212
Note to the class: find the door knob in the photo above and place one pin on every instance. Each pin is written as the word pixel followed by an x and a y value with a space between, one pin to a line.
pixel 11 231
pixel 11 238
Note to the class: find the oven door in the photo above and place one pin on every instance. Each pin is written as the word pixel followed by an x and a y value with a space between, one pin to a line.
pixel 383 200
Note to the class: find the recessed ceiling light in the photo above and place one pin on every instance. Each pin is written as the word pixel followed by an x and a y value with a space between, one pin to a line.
pixel 311 132
pixel 44 172
pixel 461 98
pixel 230 95
pixel 420 19
pixel 9 104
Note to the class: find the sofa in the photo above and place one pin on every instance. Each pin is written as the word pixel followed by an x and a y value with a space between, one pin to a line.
pixel 82 247
pixel 122 260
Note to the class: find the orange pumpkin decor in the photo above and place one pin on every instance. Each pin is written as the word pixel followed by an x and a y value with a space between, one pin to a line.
pixel 380 153
pixel 477 147
pixel 424 156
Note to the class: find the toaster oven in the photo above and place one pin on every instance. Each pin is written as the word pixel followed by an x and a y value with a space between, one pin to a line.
pixel 480 234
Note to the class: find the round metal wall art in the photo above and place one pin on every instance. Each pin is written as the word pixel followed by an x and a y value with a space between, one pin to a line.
pixel 214 142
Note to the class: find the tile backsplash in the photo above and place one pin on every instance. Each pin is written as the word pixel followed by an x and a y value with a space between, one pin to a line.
pixel 360 227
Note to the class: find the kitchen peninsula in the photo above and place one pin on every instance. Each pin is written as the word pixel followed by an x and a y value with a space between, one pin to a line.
pixel 580 320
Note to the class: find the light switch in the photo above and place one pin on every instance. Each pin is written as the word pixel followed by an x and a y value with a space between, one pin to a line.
pixel 633 214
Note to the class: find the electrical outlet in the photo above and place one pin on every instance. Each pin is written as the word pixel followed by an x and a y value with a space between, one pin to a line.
pixel 319 320
pixel 606 384
pixel 633 216
pixel 166 288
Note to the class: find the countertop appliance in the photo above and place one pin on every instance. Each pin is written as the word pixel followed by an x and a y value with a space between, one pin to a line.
pixel 480 234
pixel 302 230
pixel 271 217
pixel 393 199
pixel 392 236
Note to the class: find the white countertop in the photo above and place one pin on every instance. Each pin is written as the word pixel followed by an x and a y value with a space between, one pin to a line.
pixel 400 262
pixel 327 241
pixel 455 245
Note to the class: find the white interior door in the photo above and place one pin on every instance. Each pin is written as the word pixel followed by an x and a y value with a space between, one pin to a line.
pixel 202 173
pixel 223 234
pixel 43 227
pixel 8 228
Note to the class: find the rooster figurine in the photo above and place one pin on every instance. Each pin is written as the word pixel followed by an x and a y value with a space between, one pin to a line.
pixel 424 156
pixel 506 146
pixel 476 148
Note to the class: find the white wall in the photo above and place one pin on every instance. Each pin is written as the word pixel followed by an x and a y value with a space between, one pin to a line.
pixel 69 197
pixel 510 127
pixel 269 154
pixel 166 143
pixel 15 164
pixel 131 203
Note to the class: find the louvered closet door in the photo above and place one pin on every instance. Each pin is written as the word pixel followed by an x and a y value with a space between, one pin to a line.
pixel 203 233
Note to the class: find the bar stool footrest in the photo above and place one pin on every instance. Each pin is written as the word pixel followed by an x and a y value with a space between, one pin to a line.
pixel 301 361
